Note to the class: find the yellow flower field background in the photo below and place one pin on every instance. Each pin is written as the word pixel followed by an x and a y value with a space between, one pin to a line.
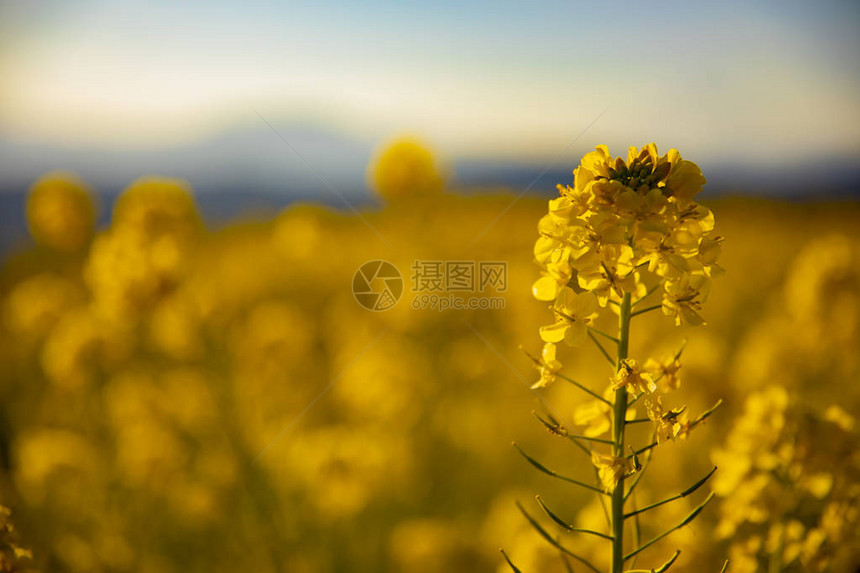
pixel 178 397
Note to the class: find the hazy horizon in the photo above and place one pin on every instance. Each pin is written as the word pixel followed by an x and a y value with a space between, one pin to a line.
pixel 728 83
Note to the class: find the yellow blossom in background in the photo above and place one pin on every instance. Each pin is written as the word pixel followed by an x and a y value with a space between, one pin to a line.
pixel 82 347
pixel 144 255
pixel 155 385
pixel 155 206
pixel 48 457
pixel 594 417
pixel 61 212
pixel 35 305
pixel 789 488
pixel 665 371
pixel 405 168
pixel 433 545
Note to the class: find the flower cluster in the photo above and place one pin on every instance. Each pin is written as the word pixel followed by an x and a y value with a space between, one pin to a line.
pixel 789 483
pixel 61 212
pixel 623 226
pixel 623 231
pixel 148 248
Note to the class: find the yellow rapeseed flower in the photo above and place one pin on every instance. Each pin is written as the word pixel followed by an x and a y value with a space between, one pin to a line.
pixel 573 313
pixel 631 377
pixel 405 168
pixel 666 370
pixel 611 469
pixel 61 212
pixel 623 223
pixel 547 365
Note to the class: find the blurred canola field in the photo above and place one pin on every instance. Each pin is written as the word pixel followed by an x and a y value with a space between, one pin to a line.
pixel 155 378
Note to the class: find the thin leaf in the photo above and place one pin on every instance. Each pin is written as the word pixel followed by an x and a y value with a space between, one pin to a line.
pixel 707 413
pixel 662 568
pixel 635 398
pixel 603 334
pixel 648 293
pixel 587 451
pixel 684 493
pixel 681 350
pixel 548 471
pixel 702 417
pixel 552 425
pixel 665 566
pixel 510 563
pixel 555 428
pixel 644 310
pixel 602 350
pixel 688 519
pixel 553 542
pixel 567 564
pixel 584 388
pixel 566 525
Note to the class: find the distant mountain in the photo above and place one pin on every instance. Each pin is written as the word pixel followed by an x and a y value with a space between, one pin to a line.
pixel 248 170
pixel 255 157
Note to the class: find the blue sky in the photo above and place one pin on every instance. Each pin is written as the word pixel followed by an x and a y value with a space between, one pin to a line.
pixel 767 82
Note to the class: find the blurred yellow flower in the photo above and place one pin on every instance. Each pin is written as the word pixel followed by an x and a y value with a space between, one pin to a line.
pixel 595 416
pixel 147 251
pixel 405 168
pixel 665 371
pixel 82 347
pixel 788 475
pixel 36 304
pixel 156 205
pixel 61 211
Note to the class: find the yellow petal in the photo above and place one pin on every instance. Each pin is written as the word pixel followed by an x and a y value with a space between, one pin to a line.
pixel 548 353
pixel 545 288
pixel 575 334
pixel 554 332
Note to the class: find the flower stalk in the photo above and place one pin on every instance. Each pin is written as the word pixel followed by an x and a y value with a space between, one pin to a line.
pixel 619 416
pixel 624 231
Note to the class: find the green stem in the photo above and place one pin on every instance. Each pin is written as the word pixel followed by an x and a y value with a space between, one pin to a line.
pixel 602 350
pixel 603 334
pixel 619 415
pixel 649 309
